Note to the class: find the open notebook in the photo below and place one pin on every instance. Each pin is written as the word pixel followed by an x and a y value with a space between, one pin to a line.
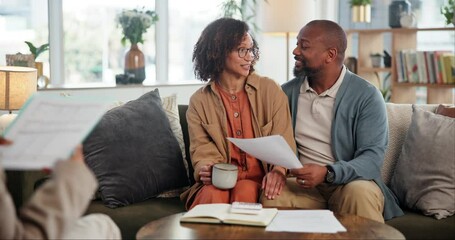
pixel 220 213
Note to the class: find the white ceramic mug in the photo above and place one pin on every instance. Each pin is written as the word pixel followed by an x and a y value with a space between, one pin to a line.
pixel 224 175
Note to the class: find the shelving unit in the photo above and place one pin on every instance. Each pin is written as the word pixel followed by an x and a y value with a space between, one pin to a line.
pixel 372 41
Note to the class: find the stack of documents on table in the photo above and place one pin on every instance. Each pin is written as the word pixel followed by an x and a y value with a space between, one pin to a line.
pixel 309 221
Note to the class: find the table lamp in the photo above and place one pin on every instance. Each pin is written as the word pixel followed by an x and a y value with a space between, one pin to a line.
pixel 287 17
pixel 17 84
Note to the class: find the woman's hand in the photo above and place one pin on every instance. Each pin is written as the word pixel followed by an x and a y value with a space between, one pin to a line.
pixel 78 155
pixel 273 182
pixel 205 174
pixel 4 141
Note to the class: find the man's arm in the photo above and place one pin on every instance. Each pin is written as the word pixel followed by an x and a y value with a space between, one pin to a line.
pixel 362 156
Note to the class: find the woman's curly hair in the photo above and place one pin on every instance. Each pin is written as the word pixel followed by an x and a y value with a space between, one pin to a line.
pixel 217 40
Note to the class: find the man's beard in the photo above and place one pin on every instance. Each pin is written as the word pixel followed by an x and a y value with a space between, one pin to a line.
pixel 299 72
pixel 305 71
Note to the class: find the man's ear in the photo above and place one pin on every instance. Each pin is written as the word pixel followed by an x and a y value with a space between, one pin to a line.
pixel 332 54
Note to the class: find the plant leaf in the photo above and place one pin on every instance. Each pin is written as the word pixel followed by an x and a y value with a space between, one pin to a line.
pixel 41 49
pixel 31 47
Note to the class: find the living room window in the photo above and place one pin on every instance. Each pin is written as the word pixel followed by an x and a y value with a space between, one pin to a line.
pixel 91 53
pixel 87 34
pixel 23 20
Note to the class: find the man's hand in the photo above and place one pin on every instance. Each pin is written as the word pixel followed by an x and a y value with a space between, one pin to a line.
pixel 205 174
pixel 310 175
pixel 273 182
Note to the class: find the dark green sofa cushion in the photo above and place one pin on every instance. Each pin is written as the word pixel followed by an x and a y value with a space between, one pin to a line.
pixel 132 217
pixel 415 225
pixel 134 153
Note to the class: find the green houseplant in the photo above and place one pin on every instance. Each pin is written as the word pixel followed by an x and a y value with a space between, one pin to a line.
pixel 36 51
pixel 360 2
pixel 448 12
pixel 43 81
pixel 246 9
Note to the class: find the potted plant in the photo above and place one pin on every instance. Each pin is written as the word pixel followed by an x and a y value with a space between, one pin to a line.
pixel 134 23
pixel 43 81
pixel 447 11
pixel 245 8
pixel 376 59
pixel 361 10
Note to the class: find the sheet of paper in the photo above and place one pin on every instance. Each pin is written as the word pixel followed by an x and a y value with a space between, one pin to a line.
pixel 47 129
pixel 271 149
pixel 309 221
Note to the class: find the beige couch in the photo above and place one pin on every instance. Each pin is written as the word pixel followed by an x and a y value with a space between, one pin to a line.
pixel 414 225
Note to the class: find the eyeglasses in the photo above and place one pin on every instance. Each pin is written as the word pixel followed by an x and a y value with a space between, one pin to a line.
pixel 244 51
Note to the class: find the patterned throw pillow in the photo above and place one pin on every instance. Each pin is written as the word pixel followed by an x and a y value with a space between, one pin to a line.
pixel 170 107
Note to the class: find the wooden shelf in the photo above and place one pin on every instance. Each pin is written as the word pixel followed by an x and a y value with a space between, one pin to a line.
pixel 372 41
pixel 372 69
pixel 430 85
pixel 398 30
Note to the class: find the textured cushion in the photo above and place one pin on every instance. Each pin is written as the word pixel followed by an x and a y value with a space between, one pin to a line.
pixel 170 107
pixel 424 175
pixel 399 118
pixel 134 154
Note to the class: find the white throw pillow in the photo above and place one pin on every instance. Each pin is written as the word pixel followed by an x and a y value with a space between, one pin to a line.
pixel 172 112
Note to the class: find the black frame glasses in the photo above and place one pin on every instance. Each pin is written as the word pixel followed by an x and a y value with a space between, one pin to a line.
pixel 242 52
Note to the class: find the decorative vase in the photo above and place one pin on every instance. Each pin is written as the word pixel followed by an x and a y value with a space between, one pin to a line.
pixel 42 80
pixel 397 9
pixel 376 60
pixel 361 13
pixel 134 65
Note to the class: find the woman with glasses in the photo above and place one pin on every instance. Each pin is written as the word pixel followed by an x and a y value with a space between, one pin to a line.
pixel 236 103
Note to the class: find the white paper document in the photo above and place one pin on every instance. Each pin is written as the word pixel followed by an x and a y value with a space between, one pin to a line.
pixel 308 221
pixel 271 149
pixel 47 129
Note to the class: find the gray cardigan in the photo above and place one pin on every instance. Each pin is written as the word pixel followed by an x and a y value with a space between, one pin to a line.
pixel 359 134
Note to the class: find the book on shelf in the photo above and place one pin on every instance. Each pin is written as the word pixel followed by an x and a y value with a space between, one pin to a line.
pixel 220 213
pixel 400 67
pixel 421 67
pixel 430 67
pixel 448 63
pixel 412 66
pixel 438 66
pixel 426 67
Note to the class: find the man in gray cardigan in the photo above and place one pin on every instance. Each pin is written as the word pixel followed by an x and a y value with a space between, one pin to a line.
pixel 340 127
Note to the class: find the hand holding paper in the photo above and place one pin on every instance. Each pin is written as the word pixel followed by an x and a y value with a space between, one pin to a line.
pixel 271 149
pixel 48 128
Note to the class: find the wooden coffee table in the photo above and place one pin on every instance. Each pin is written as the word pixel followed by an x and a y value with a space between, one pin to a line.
pixel 171 228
